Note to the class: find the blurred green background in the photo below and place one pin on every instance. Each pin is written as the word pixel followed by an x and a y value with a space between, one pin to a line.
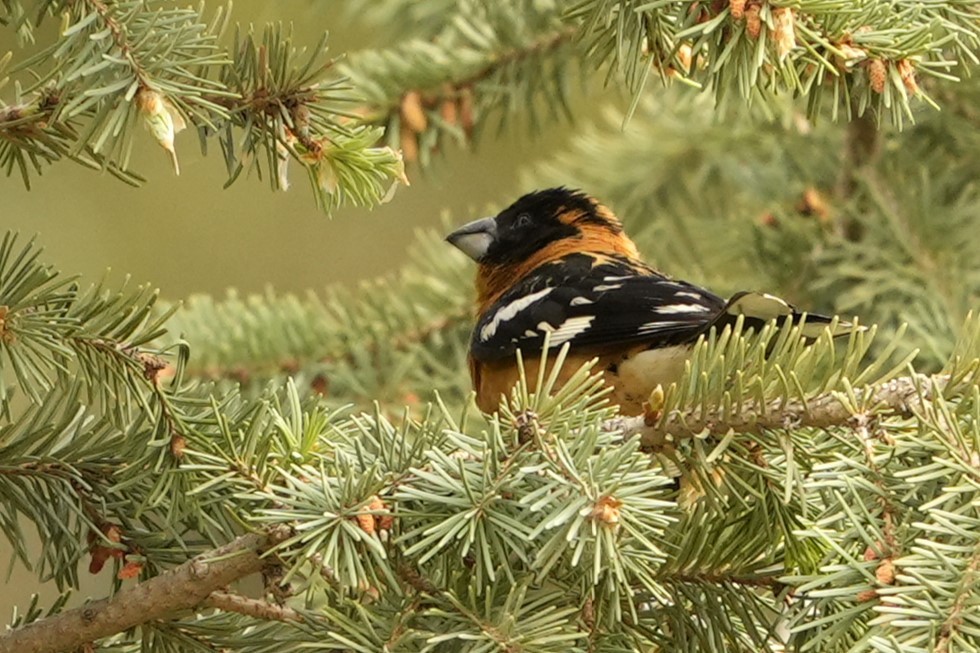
pixel 187 234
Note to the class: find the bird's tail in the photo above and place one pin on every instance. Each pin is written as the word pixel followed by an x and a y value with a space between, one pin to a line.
pixel 760 308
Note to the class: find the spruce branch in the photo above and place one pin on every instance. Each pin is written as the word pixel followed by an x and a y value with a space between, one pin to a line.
pixel 964 594
pixel 812 49
pixel 106 15
pixel 491 58
pixel 183 588
pixel 117 65
pixel 360 345
pixel 901 396
pixel 231 602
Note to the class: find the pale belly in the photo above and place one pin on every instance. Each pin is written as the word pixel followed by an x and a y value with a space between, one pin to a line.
pixel 635 378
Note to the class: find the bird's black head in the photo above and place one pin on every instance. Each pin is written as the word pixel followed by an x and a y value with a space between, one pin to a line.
pixel 531 223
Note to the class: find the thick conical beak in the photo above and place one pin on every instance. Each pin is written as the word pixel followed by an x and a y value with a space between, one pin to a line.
pixel 475 238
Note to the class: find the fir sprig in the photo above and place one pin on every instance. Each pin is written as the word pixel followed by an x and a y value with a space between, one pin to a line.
pixel 118 65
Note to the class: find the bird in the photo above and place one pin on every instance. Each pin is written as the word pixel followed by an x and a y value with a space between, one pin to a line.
pixel 557 262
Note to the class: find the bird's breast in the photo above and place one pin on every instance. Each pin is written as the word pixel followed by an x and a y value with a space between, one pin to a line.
pixel 632 375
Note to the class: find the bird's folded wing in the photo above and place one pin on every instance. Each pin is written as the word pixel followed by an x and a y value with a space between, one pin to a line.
pixel 606 307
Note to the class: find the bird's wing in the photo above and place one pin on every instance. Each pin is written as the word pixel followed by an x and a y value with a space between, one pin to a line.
pixel 594 303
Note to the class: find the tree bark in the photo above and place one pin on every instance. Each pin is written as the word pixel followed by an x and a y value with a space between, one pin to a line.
pixel 181 588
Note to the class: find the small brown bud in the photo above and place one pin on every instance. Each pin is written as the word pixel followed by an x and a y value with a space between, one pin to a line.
pixel 448 111
pixel 813 203
pixel 527 425
pixel 301 121
pixel 885 573
pixel 409 146
pixel 100 552
pixel 867 595
pixel 606 510
pixel 413 115
pixel 152 366
pixel 6 334
pixel 877 75
pixel 870 554
pixel 753 21
pixel 737 8
pixel 366 522
pixel 131 569
pixel 768 220
pixel 907 71
pixel 178 444
pixel 588 613
pixel 320 384
pixel 113 533
pixel 385 522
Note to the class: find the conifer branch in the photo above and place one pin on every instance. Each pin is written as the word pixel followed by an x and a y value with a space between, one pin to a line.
pixel 183 588
pixel 120 64
pixel 424 91
pixel 120 38
pixel 758 47
pixel 231 602
pixel 965 591
pixel 901 396
pixel 434 94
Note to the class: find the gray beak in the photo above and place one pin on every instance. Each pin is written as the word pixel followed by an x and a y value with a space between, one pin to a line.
pixel 475 238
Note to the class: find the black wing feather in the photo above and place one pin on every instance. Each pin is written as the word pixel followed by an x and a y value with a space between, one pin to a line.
pixel 594 304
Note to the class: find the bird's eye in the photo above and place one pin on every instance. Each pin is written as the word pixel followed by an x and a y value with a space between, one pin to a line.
pixel 523 221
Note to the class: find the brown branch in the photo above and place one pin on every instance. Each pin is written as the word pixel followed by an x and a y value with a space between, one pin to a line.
pixel 964 591
pixel 182 588
pixel 823 411
pixel 230 602
pixel 121 39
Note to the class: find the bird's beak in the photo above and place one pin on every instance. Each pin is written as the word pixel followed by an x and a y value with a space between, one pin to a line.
pixel 475 238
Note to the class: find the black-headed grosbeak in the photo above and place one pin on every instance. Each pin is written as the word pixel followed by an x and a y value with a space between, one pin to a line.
pixel 558 262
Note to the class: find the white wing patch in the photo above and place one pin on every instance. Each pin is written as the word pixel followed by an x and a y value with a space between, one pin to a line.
pixel 650 327
pixel 608 286
pixel 692 295
pixel 567 329
pixel 580 301
pixel 508 312
pixel 671 309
